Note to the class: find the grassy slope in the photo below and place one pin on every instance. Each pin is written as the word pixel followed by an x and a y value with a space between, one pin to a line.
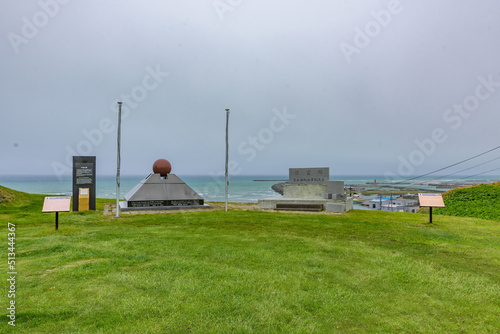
pixel 12 199
pixel 481 201
pixel 253 272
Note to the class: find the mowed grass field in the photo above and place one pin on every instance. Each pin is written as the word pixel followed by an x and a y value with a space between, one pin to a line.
pixel 247 271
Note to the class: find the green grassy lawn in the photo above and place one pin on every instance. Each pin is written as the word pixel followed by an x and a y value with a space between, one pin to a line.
pixel 481 201
pixel 252 272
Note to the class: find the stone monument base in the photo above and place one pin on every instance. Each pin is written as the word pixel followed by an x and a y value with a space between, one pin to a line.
pixel 124 207
pixel 156 192
pixel 328 204
pixel 310 188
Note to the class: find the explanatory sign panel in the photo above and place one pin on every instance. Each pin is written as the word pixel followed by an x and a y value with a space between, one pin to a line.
pixel 431 200
pixel 84 177
pixel 56 204
pixel 309 175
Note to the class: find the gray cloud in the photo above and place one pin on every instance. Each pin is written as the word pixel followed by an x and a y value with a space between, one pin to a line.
pixel 357 114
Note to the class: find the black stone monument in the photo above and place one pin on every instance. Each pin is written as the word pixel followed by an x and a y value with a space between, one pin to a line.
pixel 83 177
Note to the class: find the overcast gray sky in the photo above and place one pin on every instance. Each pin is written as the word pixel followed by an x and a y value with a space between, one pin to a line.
pixel 362 87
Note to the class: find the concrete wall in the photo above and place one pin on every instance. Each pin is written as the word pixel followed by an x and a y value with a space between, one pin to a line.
pixel 340 206
pixel 310 191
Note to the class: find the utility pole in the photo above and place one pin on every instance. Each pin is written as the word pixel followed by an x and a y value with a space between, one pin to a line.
pixel 118 161
pixel 227 153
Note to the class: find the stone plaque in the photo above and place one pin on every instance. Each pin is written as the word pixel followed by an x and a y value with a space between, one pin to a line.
pixel 309 175
pixel 161 203
pixel 84 173
pixel 84 177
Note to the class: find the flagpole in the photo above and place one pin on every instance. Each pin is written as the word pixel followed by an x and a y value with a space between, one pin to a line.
pixel 118 158
pixel 227 153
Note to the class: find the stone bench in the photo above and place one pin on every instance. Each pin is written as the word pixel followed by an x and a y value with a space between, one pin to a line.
pixel 299 207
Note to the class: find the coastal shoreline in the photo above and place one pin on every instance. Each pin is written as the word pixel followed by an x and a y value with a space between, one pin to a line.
pixel 396 188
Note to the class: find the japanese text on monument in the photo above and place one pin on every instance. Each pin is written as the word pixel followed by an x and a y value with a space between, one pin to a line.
pixel 309 175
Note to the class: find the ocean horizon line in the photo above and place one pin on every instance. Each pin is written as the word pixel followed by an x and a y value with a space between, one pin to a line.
pixel 381 176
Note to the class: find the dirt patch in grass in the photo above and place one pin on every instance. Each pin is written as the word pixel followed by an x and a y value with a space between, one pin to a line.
pixel 75 264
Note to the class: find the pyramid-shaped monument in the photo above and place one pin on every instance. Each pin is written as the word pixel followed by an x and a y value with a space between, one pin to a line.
pixel 162 191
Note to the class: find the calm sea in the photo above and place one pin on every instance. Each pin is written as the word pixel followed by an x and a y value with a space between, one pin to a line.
pixel 247 189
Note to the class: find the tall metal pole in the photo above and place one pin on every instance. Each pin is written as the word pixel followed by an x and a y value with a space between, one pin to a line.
pixel 227 152
pixel 118 161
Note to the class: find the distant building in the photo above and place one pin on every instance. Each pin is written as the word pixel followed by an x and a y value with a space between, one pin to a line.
pixel 399 204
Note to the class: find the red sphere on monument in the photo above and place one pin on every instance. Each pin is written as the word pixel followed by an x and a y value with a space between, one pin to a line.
pixel 162 167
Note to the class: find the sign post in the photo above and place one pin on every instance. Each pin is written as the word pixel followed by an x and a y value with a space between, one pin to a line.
pixel 431 201
pixel 84 177
pixel 56 204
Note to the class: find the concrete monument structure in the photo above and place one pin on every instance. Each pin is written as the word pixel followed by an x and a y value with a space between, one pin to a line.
pixel 162 191
pixel 309 188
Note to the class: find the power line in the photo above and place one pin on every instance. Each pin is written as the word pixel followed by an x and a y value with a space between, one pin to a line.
pixel 440 169
pixel 469 177
pixel 463 170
